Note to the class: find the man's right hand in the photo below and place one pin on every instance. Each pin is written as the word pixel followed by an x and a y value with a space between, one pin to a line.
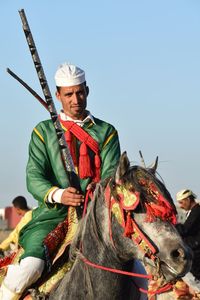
pixel 72 197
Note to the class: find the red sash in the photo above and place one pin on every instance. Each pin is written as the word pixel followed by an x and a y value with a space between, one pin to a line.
pixel 84 167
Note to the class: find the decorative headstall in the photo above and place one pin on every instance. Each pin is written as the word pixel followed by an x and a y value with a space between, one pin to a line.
pixel 122 206
pixel 122 201
pixel 125 200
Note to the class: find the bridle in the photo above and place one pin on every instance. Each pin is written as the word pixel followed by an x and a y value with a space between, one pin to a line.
pixel 122 204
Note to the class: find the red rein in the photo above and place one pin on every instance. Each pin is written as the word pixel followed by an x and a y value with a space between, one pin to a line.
pixel 165 288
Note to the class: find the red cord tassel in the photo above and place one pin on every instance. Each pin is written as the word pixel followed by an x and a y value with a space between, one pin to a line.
pixel 84 162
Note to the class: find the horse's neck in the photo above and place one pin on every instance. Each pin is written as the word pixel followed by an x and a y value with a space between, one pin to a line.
pixel 94 243
pixel 95 238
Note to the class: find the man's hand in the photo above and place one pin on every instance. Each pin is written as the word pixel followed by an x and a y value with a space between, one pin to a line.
pixel 72 197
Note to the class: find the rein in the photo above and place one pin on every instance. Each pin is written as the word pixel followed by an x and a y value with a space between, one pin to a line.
pixel 161 290
pixel 132 231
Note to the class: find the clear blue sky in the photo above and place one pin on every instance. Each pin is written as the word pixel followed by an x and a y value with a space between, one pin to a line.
pixel 142 63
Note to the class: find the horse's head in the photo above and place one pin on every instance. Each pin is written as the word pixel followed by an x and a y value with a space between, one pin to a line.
pixel 145 210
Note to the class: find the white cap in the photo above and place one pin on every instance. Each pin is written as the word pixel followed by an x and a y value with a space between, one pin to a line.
pixel 184 194
pixel 69 75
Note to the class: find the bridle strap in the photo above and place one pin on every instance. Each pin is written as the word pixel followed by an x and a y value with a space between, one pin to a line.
pixel 134 232
pixel 88 196
pixel 143 243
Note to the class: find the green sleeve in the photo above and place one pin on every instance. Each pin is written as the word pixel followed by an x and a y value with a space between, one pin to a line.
pixel 44 169
pixel 37 168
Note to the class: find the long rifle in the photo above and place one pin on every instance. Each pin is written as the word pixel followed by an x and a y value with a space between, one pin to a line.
pixel 65 153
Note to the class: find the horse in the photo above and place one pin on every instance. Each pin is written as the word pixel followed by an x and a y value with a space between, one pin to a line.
pixel 130 217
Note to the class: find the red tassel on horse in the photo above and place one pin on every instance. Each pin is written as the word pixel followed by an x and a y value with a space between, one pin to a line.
pixel 129 226
pixel 150 216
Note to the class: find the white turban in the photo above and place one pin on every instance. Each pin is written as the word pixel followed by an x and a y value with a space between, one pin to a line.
pixel 69 75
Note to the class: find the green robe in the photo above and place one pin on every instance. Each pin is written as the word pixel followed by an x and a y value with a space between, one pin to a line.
pixel 45 171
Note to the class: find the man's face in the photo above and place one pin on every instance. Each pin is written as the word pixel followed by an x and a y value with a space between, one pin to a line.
pixel 185 204
pixel 74 100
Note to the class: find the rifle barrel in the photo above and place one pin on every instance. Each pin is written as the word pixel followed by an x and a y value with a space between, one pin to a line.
pixel 27 87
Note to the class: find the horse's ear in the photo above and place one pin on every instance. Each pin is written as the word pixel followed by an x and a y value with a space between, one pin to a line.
pixel 124 165
pixel 152 168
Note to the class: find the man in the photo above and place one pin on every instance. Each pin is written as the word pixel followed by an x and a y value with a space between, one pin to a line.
pixel 95 153
pixel 20 205
pixel 22 209
pixel 190 232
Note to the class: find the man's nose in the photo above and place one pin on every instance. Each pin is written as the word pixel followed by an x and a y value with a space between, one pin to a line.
pixel 76 98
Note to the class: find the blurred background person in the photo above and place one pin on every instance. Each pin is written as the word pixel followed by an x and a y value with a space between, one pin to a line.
pixel 10 244
pixel 190 232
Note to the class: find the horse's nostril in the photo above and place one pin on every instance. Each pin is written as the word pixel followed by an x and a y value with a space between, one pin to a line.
pixel 177 253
